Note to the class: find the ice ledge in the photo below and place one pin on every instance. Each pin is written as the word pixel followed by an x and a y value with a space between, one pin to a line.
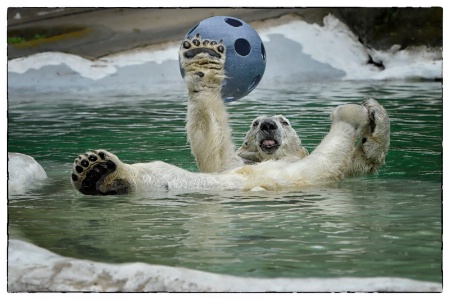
pixel 31 268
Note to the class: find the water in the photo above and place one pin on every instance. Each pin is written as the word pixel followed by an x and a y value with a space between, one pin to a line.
pixel 389 224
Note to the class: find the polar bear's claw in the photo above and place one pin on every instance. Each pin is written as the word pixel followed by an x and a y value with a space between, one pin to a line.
pixel 90 171
pixel 212 49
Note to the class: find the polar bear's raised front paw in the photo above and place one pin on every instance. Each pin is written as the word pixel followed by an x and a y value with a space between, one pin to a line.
pixel 203 62
pixel 95 173
pixel 375 140
pixel 211 48
pixel 206 48
pixel 374 143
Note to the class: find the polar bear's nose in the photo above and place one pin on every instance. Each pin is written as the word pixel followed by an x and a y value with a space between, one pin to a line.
pixel 268 125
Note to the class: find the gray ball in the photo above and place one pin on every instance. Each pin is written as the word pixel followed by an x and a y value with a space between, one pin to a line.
pixel 246 56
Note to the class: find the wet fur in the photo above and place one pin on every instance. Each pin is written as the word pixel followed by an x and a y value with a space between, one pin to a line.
pixel 357 143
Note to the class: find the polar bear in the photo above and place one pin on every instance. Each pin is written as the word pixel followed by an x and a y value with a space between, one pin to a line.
pixel 270 158
pixel 269 138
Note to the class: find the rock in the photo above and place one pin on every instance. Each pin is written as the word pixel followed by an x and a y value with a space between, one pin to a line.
pixel 23 172
pixel 381 28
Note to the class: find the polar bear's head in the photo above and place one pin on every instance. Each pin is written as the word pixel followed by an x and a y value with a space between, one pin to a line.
pixel 271 138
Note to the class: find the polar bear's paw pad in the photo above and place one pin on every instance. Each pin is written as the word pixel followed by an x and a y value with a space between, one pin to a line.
pixel 191 48
pixel 90 171
pixel 198 55
pixel 203 63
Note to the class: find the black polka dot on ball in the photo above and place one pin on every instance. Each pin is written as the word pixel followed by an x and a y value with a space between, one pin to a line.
pixel 193 28
pixel 254 82
pixel 233 22
pixel 263 52
pixel 242 47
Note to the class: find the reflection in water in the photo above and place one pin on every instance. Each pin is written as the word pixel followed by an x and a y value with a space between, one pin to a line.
pixel 380 225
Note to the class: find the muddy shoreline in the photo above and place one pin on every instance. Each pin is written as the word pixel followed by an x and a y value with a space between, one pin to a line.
pixel 97 32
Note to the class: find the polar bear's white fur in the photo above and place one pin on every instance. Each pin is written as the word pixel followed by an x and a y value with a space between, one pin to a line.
pixel 271 138
pixel 357 143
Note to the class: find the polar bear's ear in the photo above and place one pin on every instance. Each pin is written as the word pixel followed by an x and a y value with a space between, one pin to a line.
pixel 283 120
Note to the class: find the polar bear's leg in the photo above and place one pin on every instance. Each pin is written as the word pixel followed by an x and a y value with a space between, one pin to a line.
pixel 101 173
pixel 207 125
pixel 333 156
pixel 374 142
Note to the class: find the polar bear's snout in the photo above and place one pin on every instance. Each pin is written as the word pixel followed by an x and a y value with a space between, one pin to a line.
pixel 269 136
pixel 268 125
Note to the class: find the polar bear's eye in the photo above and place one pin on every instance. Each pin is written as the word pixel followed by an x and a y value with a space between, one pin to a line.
pixel 285 123
pixel 256 123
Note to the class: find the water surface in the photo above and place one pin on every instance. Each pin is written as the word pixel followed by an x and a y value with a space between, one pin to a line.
pixel 389 224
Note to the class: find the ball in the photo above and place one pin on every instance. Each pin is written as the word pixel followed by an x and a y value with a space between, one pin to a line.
pixel 246 57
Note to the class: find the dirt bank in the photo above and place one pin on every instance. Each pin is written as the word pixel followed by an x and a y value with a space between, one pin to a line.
pixel 96 32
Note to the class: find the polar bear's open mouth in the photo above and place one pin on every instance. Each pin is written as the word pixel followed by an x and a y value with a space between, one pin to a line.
pixel 269 145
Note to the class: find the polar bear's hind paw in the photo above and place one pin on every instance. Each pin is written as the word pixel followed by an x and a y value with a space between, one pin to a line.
pixel 90 171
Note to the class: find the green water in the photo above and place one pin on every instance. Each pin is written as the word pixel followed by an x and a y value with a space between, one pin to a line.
pixel 389 224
